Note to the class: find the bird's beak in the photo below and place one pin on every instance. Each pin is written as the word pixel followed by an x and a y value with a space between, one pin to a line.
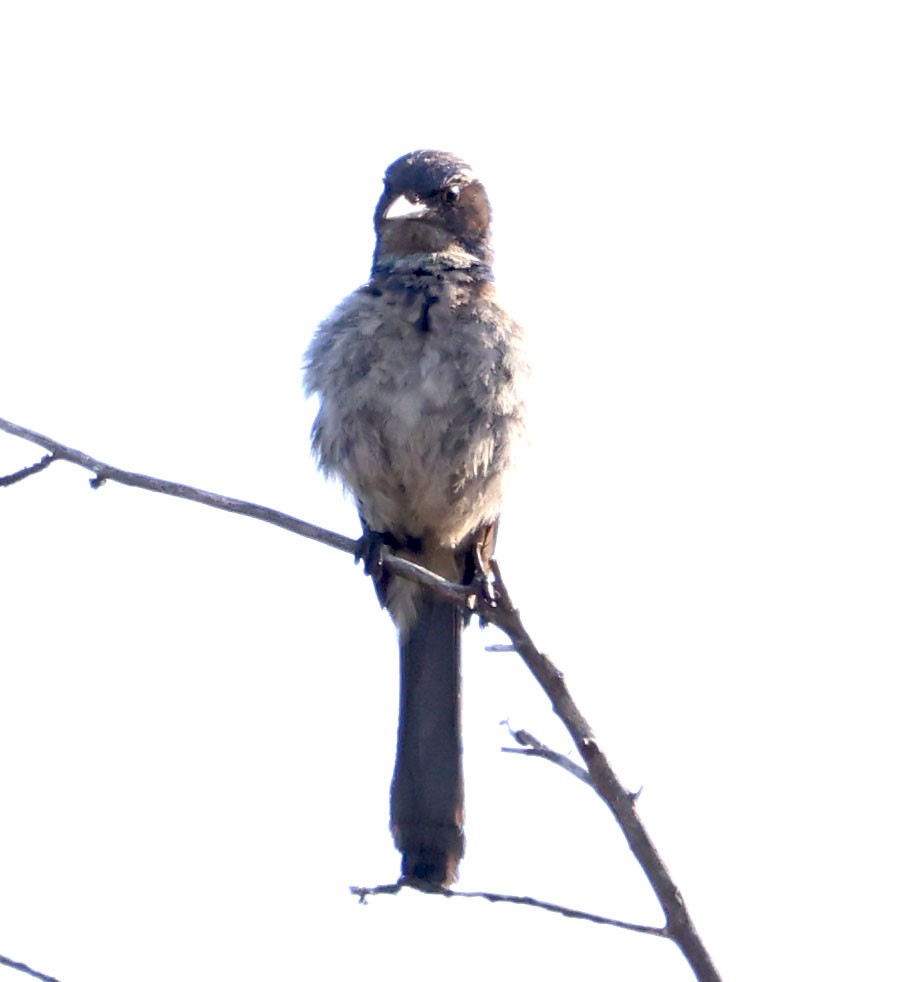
pixel 401 207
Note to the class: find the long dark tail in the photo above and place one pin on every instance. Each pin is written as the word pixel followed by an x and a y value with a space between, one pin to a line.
pixel 428 789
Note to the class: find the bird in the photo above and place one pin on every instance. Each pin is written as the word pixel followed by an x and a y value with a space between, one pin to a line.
pixel 420 375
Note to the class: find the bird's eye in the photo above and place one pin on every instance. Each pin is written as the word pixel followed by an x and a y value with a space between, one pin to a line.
pixel 451 193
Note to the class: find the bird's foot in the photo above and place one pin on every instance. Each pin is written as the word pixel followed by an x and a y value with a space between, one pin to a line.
pixel 483 594
pixel 369 551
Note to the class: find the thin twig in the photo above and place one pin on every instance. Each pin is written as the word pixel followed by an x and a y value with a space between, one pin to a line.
pixel 7 479
pixel 506 898
pixel 22 967
pixel 531 747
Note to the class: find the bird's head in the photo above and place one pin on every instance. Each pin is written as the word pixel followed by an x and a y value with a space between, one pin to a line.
pixel 432 204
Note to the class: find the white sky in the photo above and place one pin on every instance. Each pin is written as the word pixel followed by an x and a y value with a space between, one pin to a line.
pixel 698 212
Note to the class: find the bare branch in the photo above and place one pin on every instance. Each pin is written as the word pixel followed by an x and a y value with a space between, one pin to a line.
pixel 22 967
pixel 531 747
pixel 678 925
pixel 501 612
pixel 391 888
pixel 107 472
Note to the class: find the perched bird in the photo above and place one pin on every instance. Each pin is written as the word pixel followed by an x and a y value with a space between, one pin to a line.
pixel 420 376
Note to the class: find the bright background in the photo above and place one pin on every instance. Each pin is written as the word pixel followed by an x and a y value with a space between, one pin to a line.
pixel 698 218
